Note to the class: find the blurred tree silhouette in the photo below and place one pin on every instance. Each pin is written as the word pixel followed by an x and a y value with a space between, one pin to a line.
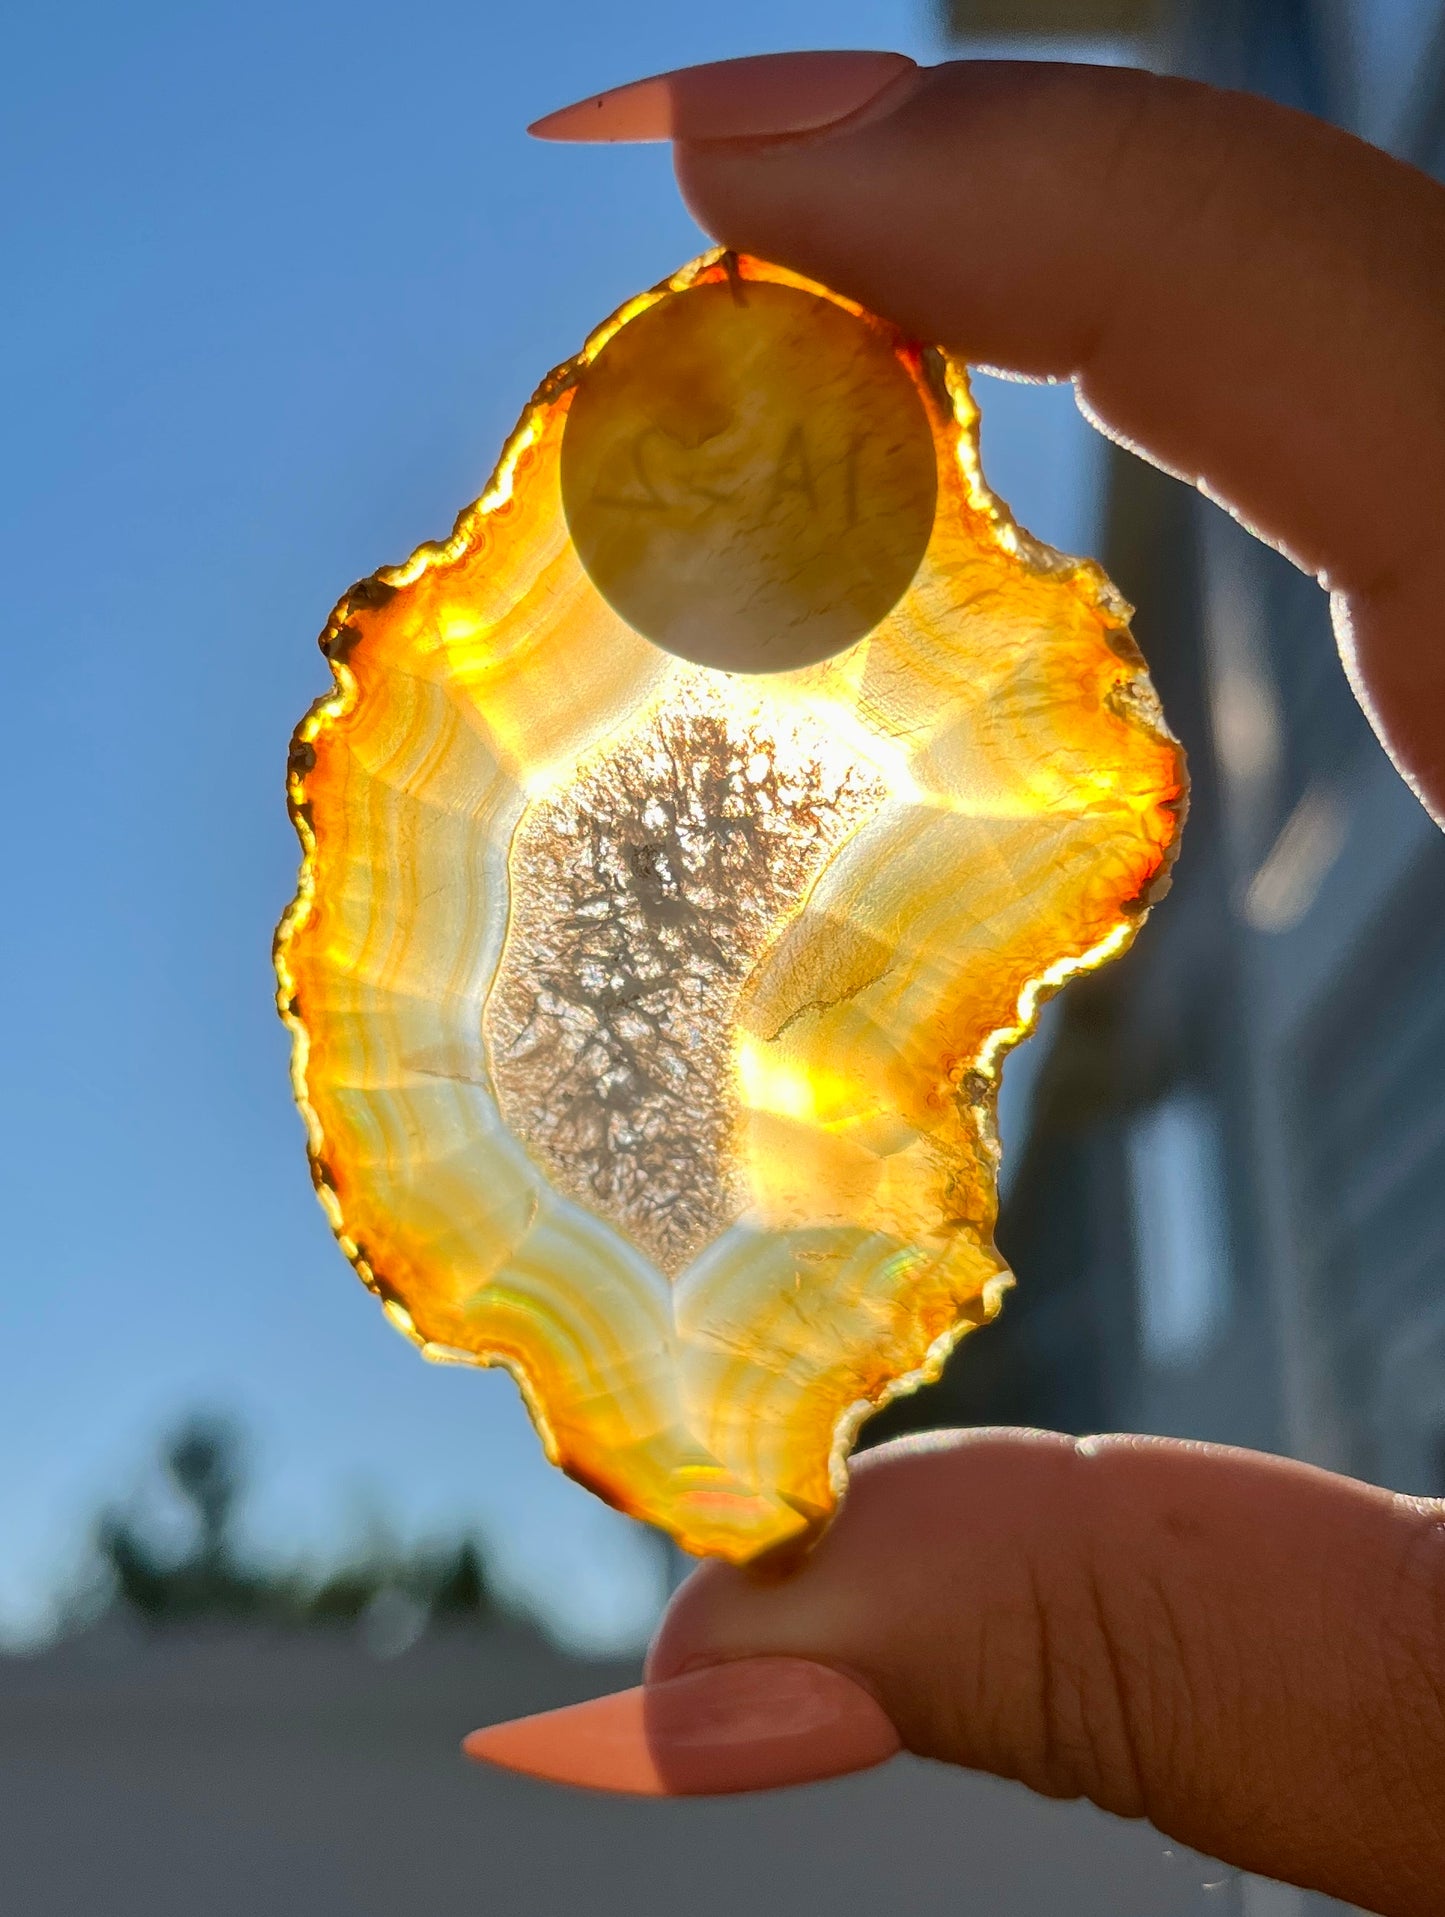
pixel 203 1459
pixel 210 1577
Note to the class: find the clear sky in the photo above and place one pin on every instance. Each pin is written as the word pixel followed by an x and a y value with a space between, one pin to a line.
pixel 277 279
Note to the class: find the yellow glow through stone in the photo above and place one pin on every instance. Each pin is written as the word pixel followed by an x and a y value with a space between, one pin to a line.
pixel 685 842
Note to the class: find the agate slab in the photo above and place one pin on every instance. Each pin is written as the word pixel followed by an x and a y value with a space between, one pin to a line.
pixel 685 843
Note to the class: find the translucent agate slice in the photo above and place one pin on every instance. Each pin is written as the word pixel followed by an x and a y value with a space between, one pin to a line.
pixel 649 992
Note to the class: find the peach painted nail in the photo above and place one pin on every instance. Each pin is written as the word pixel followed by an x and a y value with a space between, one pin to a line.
pixel 752 1725
pixel 767 94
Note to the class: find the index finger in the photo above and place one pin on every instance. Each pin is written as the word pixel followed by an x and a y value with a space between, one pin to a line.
pixel 1248 296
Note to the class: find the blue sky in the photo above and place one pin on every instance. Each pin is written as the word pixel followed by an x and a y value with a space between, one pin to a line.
pixel 278 279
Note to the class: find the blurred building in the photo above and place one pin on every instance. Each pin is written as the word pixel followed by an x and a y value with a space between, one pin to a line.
pixel 219 1772
pixel 1229 1217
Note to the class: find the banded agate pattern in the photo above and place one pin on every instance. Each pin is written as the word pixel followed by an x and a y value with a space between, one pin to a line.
pixel 648 1017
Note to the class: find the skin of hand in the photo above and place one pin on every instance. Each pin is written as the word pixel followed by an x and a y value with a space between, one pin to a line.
pixel 1247 1651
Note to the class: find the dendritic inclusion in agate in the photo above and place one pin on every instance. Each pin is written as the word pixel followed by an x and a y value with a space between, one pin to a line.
pixel 649 993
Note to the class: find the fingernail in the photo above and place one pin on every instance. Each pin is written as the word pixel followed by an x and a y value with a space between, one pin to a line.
pixel 767 94
pixel 751 1725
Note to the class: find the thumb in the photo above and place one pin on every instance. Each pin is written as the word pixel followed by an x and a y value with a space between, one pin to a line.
pixel 1247 1651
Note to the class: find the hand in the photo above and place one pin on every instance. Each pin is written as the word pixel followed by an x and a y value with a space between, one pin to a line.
pixel 1249 1652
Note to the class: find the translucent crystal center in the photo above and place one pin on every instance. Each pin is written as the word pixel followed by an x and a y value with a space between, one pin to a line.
pixel 644 892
